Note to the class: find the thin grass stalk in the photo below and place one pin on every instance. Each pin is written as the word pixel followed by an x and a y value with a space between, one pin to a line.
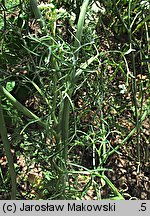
pixel 114 150
pixel 104 137
pixel 147 44
pixel 147 153
pixel 134 87
pixel 134 91
pixel 57 75
pixel 7 149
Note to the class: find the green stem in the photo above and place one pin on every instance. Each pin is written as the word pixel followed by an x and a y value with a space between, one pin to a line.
pixel 126 138
pixel 65 125
pixel 7 149
pixel 147 44
pixel 37 13
pixel 64 112
pixel 134 85
pixel 113 188
pixel 119 15
pixel 80 24
pixel 20 107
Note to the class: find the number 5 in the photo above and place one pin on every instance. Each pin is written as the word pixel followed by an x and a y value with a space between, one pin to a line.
pixel 143 207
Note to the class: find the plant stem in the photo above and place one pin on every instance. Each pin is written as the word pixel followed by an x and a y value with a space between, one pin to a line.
pixel 80 25
pixel 134 85
pixel 64 112
pixel 65 124
pixel 119 15
pixel 126 138
pixel 20 107
pixel 7 149
pixel 37 13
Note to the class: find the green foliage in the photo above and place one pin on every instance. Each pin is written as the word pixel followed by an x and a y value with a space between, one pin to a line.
pixel 10 85
pixel 78 101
